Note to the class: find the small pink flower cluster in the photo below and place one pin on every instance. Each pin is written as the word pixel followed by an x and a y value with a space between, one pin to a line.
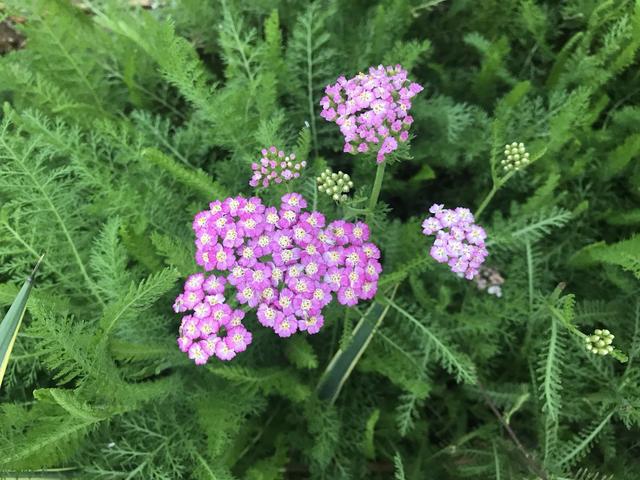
pixel 283 262
pixel 459 241
pixel 372 109
pixel 276 167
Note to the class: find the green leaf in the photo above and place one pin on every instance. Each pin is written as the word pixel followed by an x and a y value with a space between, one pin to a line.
pixel 368 444
pixel 425 173
pixel 192 178
pixel 139 298
pixel 300 352
pixel 12 321
pixel 632 217
pixel 176 253
pixel 398 467
pixel 550 370
pixel 278 381
pixel 622 156
pixel 625 254
pixel 69 401
pixel 580 445
pixel 453 361
pixel 344 361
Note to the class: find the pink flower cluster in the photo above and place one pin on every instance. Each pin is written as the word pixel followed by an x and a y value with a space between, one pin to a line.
pixel 285 263
pixel 459 241
pixel 275 166
pixel 371 109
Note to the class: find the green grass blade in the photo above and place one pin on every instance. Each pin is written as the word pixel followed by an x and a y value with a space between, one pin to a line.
pixel 344 361
pixel 12 321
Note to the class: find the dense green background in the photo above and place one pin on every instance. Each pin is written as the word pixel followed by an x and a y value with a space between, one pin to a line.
pixel 119 123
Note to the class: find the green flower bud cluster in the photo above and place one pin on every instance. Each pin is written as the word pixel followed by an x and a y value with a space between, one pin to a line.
pixel 336 185
pixel 515 157
pixel 600 342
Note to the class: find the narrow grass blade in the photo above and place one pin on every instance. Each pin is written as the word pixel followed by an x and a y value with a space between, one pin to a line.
pixel 344 361
pixel 12 321
pixel 50 473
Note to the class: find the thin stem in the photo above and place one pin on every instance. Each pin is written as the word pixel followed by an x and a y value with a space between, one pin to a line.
pixel 531 462
pixel 239 47
pixel 312 115
pixel 375 192
pixel 530 274
pixel 315 196
pixel 486 200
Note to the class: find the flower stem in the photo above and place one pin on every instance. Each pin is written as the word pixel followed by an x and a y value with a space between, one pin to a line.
pixel 375 192
pixel 486 200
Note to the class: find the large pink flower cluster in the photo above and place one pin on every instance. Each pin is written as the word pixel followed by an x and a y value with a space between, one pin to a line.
pixel 372 109
pixel 285 263
pixel 459 241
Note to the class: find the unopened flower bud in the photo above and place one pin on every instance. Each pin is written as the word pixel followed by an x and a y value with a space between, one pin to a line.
pixel 600 343
pixel 515 157
pixel 335 184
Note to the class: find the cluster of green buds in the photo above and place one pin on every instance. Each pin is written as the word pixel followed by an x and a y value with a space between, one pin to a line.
pixel 600 342
pixel 336 185
pixel 515 157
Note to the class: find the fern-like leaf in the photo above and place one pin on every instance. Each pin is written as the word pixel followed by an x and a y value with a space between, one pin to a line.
pixel 550 370
pixel 109 262
pixel 453 361
pixel 138 298
pixel 310 59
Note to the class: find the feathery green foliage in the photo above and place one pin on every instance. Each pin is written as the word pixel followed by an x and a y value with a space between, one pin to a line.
pixel 120 122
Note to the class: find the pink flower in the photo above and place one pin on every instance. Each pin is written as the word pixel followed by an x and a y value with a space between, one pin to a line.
pixel 347 296
pixel 238 338
pixel 372 107
pixel 284 263
pixel 286 326
pixel 191 298
pixel 275 166
pixel 267 315
pixel 459 242
pixel 223 257
pixel 431 225
pixel 223 352
pixel 311 324
pixel 197 354
pixel 293 201
pixel 214 284
pixel 184 343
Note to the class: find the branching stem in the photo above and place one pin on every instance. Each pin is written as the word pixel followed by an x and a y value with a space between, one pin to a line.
pixel 533 465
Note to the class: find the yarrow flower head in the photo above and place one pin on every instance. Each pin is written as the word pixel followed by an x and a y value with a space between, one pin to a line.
pixel 489 279
pixel 515 157
pixel 285 263
pixel 372 109
pixel 336 185
pixel 600 342
pixel 275 166
pixel 459 241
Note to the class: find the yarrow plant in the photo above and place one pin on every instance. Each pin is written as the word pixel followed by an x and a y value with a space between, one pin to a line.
pixel 284 263
pixel 489 280
pixel 372 109
pixel 275 166
pixel 600 342
pixel 459 241
pixel 515 157
pixel 336 185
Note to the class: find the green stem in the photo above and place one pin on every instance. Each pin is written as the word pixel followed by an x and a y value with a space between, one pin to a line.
pixel 486 200
pixel 530 275
pixel 375 192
